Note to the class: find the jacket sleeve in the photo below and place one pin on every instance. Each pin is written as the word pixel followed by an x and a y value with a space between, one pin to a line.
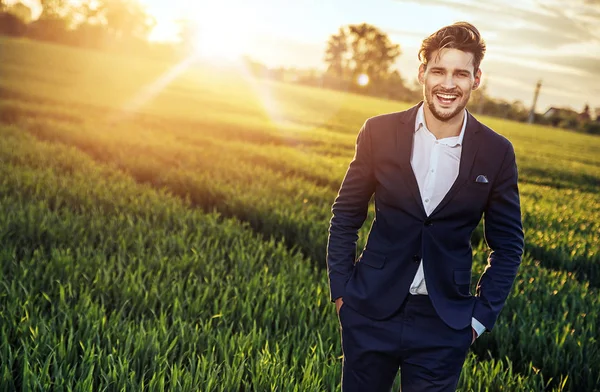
pixel 349 212
pixel 504 235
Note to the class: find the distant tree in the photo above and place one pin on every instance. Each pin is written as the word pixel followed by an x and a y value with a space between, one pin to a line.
pixel 53 23
pixel 14 19
pixel 372 52
pixel 125 19
pixel 11 24
pixel 519 111
pixel 122 24
pixel 482 103
pixel 90 35
pixel 88 12
pixel 256 68
pixel 569 122
pixel 56 9
pixel 588 122
pixel 591 127
pixel 89 28
pixel 21 11
pixel 478 100
pixel 393 86
pixel 337 54
pixel 585 114
pixel 416 88
pixel 361 49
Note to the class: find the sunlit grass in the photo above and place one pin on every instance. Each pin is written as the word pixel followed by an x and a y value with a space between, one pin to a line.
pixel 181 245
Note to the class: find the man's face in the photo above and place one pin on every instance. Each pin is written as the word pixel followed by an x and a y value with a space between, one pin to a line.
pixel 447 82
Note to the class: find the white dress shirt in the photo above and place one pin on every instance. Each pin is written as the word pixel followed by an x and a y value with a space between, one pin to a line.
pixel 435 163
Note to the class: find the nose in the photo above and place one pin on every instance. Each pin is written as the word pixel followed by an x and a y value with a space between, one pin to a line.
pixel 448 82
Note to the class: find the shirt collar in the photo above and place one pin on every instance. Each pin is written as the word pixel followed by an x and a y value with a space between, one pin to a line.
pixel 420 121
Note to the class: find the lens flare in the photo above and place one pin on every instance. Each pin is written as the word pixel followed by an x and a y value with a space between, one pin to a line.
pixel 363 79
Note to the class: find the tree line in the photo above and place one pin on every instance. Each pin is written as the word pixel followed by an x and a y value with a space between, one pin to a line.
pixel 360 58
pixel 360 52
pixel 100 24
pixel 363 49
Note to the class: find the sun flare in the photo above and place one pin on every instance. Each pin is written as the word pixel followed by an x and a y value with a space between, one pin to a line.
pixel 363 80
pixel 216 43
pixel 221 34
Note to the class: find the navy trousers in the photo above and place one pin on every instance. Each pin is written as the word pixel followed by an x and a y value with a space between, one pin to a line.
pixel 429 354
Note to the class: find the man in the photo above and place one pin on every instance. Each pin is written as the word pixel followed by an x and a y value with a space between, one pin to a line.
pixel 435 171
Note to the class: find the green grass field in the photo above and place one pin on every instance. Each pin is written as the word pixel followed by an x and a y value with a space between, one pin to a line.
pixel 168 234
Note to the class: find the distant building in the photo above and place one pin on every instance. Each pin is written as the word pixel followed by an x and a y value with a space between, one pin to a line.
pixel 561 117
pixel 560 112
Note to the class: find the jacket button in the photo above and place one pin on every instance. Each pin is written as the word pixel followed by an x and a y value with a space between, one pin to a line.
pixel 416 258
pixel 428 222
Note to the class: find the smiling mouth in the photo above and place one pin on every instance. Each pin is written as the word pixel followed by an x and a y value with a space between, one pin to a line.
pixel 446 99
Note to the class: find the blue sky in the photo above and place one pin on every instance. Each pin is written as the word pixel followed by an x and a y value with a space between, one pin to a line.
pixel 552 40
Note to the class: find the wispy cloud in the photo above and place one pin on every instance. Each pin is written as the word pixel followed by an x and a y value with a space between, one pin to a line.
pixel 535 23
pixel 553 40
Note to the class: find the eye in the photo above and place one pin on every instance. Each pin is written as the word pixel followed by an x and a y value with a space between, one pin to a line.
pixel 463 74
pixel 436 72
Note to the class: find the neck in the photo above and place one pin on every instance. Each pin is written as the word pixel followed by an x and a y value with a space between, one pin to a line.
pixel 443 129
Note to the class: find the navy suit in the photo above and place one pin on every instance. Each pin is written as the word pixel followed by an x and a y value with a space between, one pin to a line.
pixel 377 284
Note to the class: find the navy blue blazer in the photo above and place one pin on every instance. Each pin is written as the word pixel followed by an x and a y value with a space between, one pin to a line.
pixel 377 283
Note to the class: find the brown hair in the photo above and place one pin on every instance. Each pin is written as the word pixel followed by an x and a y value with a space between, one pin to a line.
pixel 460 35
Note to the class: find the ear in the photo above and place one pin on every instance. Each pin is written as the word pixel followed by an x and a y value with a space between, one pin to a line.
pixel 422 69
pixel 477 81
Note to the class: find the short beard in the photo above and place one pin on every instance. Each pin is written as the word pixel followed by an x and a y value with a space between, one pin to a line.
pixel 439 116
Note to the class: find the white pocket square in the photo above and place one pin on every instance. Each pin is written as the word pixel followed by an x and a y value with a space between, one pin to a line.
pixel 481 179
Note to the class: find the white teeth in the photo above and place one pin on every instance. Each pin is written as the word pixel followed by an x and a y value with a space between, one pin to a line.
pixel 447 96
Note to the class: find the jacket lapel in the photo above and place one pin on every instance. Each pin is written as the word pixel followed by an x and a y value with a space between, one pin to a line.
pixel 404 143
pixel 469 151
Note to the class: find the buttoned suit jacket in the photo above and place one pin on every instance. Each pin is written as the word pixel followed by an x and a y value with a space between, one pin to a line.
pixel 376 283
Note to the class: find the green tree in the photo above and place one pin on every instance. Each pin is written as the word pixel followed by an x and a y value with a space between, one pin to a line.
pixel 361 49
pixel 11 25
pixel 21 11
pixel 125 19
pixel 372 52
pixel 89 12
pixel 393 86
pixel 56 9
pixel 585 114
pixel 53 22
pixel 119 24
pixel 336 54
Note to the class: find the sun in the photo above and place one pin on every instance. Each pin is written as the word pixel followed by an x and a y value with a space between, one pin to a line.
pixel 221 34
pixel 215 42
